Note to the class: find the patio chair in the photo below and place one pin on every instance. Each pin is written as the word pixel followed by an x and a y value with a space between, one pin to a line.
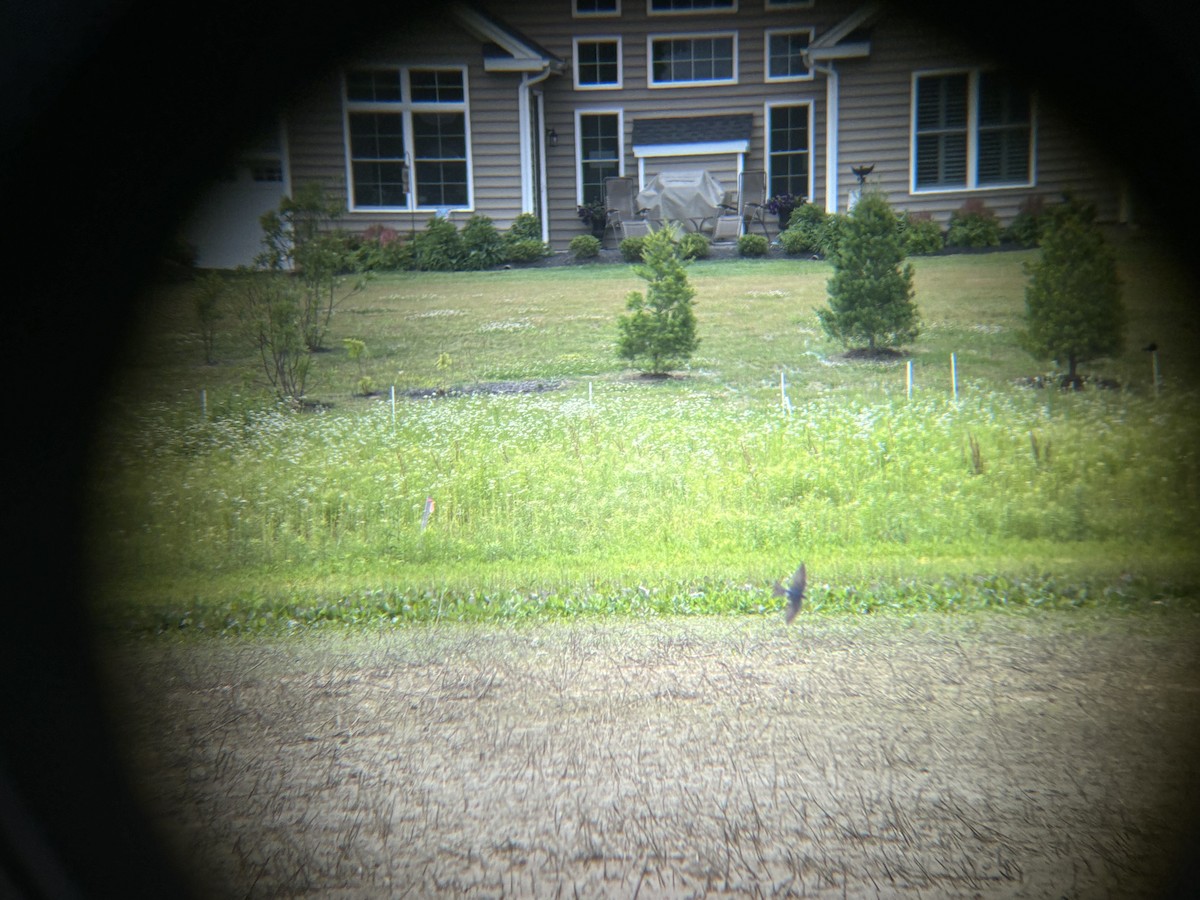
pixel 728 224
pixel 624 218
pixel 752 199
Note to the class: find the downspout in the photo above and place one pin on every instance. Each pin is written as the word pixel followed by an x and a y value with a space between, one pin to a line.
pixel 544 195
pixel 525 124
pixel 832 116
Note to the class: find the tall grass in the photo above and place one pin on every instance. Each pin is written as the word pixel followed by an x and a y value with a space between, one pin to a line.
pixel 642 486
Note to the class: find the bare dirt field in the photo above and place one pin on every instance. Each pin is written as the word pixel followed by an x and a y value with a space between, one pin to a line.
pixel 1047 754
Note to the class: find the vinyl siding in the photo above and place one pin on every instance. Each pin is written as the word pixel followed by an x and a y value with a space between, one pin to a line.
pixel 318 148
pixel 875 104
pixel 876 108
pixel 552 26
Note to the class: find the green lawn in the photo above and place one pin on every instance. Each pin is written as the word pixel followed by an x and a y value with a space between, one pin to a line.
pixel 617 494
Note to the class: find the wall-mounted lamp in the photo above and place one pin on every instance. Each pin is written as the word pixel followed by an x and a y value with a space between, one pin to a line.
pixel 553 136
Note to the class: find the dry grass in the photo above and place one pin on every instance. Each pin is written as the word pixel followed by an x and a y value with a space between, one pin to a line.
pixel 1031 756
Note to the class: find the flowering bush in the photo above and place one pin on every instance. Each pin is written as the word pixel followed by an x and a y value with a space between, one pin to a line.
pixel 783 204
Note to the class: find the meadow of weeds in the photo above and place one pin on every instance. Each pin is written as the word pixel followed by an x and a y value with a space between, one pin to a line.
pixel 605 492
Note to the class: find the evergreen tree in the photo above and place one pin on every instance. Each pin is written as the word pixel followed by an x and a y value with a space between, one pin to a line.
pixel 661 327
pixel 871 291
pixel 1073 308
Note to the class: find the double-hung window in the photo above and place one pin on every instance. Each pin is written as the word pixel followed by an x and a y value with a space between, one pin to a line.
pixel 599 143
pixel 785 54
pixel 971 130
pixel 407 138
pixel 788 150
pixel 692 60
pixel 596 8
pixel 597 63
pixel 690 6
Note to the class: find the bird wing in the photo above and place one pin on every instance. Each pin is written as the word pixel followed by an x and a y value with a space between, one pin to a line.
pixel 795 594
pixel 799 580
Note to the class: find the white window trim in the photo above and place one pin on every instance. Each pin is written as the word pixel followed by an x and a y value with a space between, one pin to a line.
pixel 767 35
pixel 688 36
pixel 575 13
pixel 599 39
pixel 405 107
pixel 812 154
pixel 617 111
pixel 720 11
pixel 972 184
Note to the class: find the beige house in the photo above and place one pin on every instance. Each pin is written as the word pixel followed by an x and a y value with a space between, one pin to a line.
pixel 514 106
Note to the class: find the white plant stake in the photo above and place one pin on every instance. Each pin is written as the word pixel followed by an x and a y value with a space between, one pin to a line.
pixel 393 407
pixel 954 375
pixel 784 402
pixel 429 504
pixel 909 380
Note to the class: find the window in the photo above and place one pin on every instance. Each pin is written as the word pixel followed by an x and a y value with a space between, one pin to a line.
pixel 597 63
pixel 1005 119
pixel 785 55
pixel 599 148
pixel 597 8
pixel 377 160
pixel 394 116
pixel 693 60
pixel 436 86
pixel 971 130
pixel 788 4
pixel 788 150
pixel 440 159
pixel 691 6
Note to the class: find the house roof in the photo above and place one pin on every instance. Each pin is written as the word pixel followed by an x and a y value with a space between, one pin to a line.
pixel 505 49
pixel 675 135
pixel 847 39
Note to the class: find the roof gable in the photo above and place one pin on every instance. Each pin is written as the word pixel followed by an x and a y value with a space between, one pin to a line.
pixel 505 49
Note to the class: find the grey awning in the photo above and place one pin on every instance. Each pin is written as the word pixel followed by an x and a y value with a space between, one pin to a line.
pixel 692 135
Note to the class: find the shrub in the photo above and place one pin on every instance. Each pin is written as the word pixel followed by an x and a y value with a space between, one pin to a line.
pixel 832 232
pixel 525 250
pixel 439 248
pixel 526 227
pixel 752 245
pixel 381 248
pixel 921 234
pixel 483 247
pixel 523 240
pixel 1026 227
pixel 973 225
pixel 871 292
pixel 661 327
pixel 584 246
pixel 631 249
pixel 272 314
pixel 300 235
pixel 693 245
pixel 1073 303
pixel 805 229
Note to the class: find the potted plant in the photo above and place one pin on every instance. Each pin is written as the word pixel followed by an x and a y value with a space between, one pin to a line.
pixel 595 216
pixel 782 206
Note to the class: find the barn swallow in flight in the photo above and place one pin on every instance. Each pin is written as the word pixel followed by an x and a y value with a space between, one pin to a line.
pixel 794 592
